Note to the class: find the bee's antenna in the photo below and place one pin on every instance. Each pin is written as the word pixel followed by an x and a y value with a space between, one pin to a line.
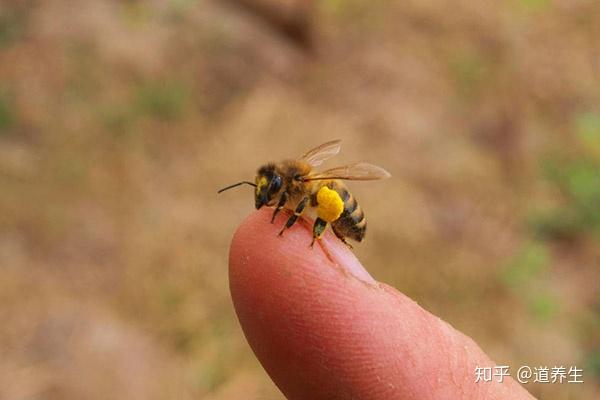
pixel 236 184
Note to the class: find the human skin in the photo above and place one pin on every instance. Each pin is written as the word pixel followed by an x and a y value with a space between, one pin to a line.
pixel 323 328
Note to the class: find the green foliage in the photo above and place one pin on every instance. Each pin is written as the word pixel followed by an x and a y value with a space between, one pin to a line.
pixel 577 178
pixel 117 120
pixel 7 111
pixel 161 99
pixel 528 263
pixel 158 100
pixel 211 377
pixel 593 363
pixel 543 306
pixel 587 128
pixel 524 273
pixel 12 26
pixel 579 182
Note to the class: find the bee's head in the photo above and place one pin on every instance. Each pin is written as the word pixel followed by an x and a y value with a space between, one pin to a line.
pixel 268 185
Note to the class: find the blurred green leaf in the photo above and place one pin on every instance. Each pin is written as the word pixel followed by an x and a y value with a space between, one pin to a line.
pixel 161 99
pixel 12 26
pixel 593 364
pixel 587 127
pixel 7 111
pixel 579 182
pixel 583 182
pixel 117 120
pixel 543 306
pixel 212 376
pixel 530 261
pixel 588 124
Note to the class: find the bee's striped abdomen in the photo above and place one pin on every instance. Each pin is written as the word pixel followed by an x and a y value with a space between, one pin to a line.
pixel 351 222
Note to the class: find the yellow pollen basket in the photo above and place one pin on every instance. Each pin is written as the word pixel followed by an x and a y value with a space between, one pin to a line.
pixel 330 205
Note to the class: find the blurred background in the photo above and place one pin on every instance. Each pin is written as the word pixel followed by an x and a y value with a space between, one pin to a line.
pixel 119 120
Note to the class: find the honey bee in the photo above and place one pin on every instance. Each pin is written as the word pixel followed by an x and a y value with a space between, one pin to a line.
pixel 296 186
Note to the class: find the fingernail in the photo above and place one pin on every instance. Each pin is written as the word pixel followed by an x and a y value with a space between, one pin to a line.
pixel 348 261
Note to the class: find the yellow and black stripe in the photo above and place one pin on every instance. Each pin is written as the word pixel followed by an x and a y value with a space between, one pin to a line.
pixel 352 222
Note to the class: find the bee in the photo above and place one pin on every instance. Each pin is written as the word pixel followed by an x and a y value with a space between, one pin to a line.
pixel 296 185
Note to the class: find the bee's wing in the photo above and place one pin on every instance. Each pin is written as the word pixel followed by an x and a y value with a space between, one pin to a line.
pixel 316 156
pixel 360 171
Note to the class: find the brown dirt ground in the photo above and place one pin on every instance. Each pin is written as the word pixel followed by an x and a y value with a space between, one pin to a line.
pixel 120 119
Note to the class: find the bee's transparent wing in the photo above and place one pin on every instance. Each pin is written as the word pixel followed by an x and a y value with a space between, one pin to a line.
pixel 360 171
pixel 316 156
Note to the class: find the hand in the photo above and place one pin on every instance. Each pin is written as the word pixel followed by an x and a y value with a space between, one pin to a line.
pixel 323 328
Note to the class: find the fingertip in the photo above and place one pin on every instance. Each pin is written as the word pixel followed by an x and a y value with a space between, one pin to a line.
pixel 324 331
pixel 287 296
pixel 258 239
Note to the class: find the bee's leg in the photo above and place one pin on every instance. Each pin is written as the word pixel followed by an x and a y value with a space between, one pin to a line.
pixel 282 200
pixel 292 219
pixel 318 230
pixel 340 236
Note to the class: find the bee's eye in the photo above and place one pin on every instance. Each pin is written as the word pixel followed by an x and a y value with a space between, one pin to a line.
pixel 275 184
